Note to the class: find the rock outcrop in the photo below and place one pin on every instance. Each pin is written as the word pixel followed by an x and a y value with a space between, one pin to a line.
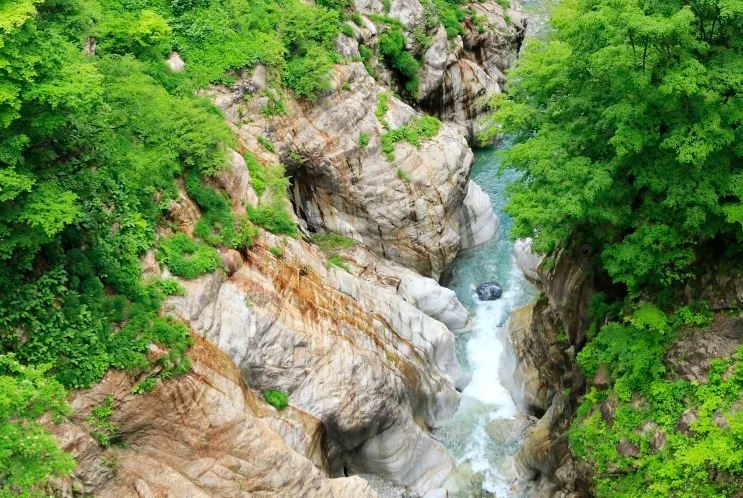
pixel 545 337
pixel 458 75
pixel 367 364
pixel 202 434
pixel 417 209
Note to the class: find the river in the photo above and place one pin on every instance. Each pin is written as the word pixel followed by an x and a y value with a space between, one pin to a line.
pixel 478 435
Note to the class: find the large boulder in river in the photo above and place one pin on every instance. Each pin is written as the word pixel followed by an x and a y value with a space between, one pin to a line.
pixel 489 291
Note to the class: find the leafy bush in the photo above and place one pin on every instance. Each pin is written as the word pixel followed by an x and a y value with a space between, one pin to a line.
pixel 276 398
pixel 146 386
pixel 414 133
pixel 643 394
pixel 218 226
pixel 266 144
pixel 363 139
pixel 337 260
pixel 402 175
pixel 273 217
pixel 171 287
pixel 392 48
pixel 187 258
pixel 451 16
pixel 28 454
pixel 658 198
pixel 102 428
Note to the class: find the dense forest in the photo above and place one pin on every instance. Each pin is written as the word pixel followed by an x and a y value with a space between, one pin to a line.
pixel 627 128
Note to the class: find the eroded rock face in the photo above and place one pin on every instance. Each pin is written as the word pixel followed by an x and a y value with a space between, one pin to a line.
pixel 355 355
pixel 199 435
pixel 409 209
pixel 544 337
pixel 691 355
pixel 424 293
pixel 526 260
pixel 460 76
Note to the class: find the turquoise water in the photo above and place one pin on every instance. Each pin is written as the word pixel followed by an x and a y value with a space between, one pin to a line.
pixel 484 463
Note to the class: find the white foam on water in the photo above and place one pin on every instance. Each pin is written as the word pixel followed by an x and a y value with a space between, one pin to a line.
pixel 484 350
pixel 480 456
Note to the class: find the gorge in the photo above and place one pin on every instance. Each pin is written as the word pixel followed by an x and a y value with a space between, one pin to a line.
pixel 240 245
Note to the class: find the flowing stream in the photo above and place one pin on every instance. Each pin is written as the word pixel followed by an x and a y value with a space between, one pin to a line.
pixel 483 435
pixel 480 435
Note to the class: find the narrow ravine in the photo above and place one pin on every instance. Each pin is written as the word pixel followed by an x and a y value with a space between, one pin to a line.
pixel 482 436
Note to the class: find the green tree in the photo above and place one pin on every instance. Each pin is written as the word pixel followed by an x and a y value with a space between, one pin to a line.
pixel 28 455
pixel 627 127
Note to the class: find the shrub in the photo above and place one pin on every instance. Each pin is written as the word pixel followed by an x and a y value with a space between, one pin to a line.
pixel 187 258
pixel 144 387
pixel 414 133
pixel 218 226
pixel 266 144
pixel 171 287
pixel 363 139
pixel 381 110
pixel 276 398
pixel 103 430
pixel 392 48
pixel 273 217
pixel 402 175
pixel 307 75
pixel 276 251
pixel 28 454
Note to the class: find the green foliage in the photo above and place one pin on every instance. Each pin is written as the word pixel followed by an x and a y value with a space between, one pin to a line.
pixel 414 133
pixel 218 226
pixel 363 139
pixel 276 398
pixel 274 106
pixel 347 30
pixel 392 48
pixel 402 175
pixel 626 126
pixel 171 287
pixel 146 386
pixel 276 251
pixel 381 110
pixel 451 16
pixel 690 465
pixel 642 393
pixel 366 55
pixel 186 257
pixel 337 260
pixel 273 217
pixel 103 430
pixel 331 242
pixel 266 144
pixel 271 213
pixel 28 454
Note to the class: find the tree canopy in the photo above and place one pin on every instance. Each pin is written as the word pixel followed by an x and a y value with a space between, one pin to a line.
pixel 627 127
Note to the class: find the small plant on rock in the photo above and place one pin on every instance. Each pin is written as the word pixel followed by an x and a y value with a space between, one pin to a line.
pixel 277 398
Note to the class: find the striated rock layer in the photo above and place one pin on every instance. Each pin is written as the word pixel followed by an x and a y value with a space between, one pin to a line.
pixel 545 337
pixel 199 435
pixel 416 209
